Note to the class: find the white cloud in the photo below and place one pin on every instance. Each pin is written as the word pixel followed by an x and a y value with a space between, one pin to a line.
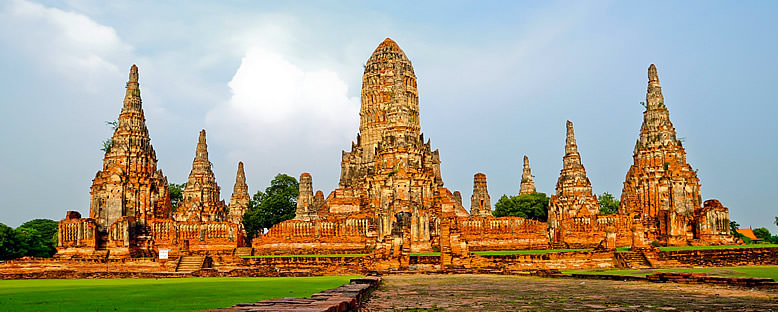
pixel 282 107
pixel 71 44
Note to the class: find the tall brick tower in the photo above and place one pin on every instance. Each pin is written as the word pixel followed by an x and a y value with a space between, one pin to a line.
pixel 390 101
pixel 391 169
pixel 660 187
pixel 239 201
pixel 201 199
pixel 573 196
pixel 129 184
pixel 527 185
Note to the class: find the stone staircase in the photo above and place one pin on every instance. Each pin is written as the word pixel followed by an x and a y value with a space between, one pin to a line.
pixel 633 260
pixel 190 263
pixel 243 251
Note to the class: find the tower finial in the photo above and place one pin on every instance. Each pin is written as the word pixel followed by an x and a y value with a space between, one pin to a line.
pixel 653 75
pixel 201 152
pixel 134 73
pixel 570 144
pixel 654 98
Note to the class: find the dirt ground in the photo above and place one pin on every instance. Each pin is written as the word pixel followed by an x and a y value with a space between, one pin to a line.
pixel 518 293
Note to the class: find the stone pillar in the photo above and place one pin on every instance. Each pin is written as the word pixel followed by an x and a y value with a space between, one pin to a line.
pixel 610 237
pixel 638 236
pixel 527 184
pixel 306 201
pixel 480 205
pixel 445 244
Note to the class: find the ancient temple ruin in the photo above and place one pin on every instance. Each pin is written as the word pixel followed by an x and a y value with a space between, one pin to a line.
pixel 389 176
pixel 239 201
pixel 661 189
pixel 130 212
pixel 480 202
pixel 390 200
pixel 129 184
pixel 201 198
pixel 574 218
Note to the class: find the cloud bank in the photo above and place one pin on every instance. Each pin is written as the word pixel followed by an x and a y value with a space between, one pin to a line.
pixel 72 44
pixel 283 113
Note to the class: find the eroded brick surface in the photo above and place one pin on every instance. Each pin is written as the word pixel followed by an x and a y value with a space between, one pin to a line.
pixel 515 293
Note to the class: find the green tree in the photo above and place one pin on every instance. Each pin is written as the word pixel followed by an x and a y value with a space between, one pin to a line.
pixel 9 243
pixel 47 231
pixel 276 204
pixel 733 227
pixel 762 233
pixel 530 206
pixel 32 243
pixel 608 204
pixel 776 221
pixel 108 143
pixel 176 194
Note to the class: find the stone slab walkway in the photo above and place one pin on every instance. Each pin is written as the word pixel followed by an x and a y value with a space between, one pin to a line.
pixel 517 293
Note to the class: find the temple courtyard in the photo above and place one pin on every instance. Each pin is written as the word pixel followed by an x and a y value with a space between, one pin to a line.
pixel 519 293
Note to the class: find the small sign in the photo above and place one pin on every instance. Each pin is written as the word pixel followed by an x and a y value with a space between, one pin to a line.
pixel 163 253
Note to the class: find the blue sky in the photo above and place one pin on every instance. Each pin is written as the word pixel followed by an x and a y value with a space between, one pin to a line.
pixel 276 85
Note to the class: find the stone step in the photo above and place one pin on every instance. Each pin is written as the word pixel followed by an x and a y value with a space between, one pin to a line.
pixel 635 260
pixel 190 263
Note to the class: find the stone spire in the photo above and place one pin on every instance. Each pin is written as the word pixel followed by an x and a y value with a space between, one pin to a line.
pixel 390 100
pixel 129 183
pixel 654 98
pixel 480 204
pixel 527 184
pixel 661 185
pixel 239 201
pixel 657 130
pixel 201 199
pixel 573 189
pixel 306 202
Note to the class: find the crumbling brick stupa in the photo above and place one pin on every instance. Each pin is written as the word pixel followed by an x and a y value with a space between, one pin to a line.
pixel 130 212
pixel 661 189
pixel 574 218
pixel 201 196
pixel 239 201
pixel 527 185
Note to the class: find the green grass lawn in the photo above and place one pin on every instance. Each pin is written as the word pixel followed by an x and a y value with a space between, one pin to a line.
pixel 436 254
pixel 171 294
pixel 306 256
pixel 768 271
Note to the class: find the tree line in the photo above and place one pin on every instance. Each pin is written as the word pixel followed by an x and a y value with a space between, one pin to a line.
pixel 35 238
pixel 535 206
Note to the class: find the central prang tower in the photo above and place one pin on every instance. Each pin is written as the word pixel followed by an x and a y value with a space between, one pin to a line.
pixel 391 175
pixel 390 100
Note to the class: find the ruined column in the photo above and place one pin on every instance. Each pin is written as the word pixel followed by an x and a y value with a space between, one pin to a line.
pixel 480 205
pixel 527 184
pixel 306 209
pixel 239 201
